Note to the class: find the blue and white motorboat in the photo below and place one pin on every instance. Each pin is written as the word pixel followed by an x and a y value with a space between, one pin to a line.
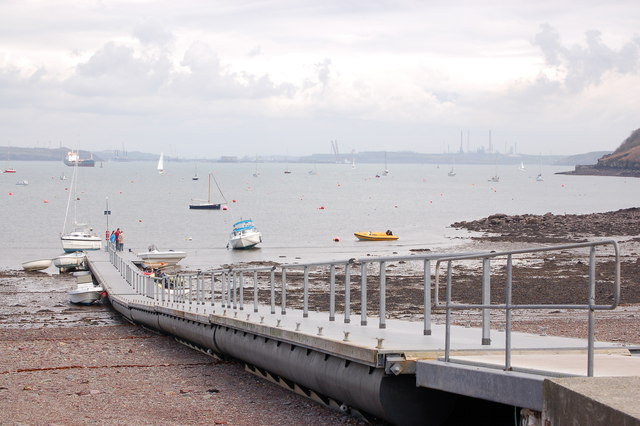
pixel 244 235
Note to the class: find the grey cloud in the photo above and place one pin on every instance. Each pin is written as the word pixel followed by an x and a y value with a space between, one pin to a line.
pixel 586 65
pixel 114 70
pixel 152 32
pixel 209 78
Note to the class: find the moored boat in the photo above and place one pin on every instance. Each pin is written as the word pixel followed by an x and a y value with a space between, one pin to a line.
pixel 85 294
pixel 376 236
pixel 244 235
pixel 80 241
pixel 70 261
pixel 37 265
pixel 73 159
pixel 156 258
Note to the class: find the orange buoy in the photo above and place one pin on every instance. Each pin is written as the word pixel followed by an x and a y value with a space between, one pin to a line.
pixel 336 239
pixel 11 193
pixel 225 207
pixel 45 201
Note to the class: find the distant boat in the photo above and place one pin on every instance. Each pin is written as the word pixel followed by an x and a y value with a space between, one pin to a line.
pixel 521 168
pixel 73 159
pixel 161 164
pixel 244 235
pixel 386 170
pixel 195 175
pixel 375 236
pixel 63 177
pixel 85 294
pixel 314 171
pixel 452 172
pixel 539 178
pixel 255 173
pixel 207 204
pixel 495 177
pixel 23 182
pixel 9 169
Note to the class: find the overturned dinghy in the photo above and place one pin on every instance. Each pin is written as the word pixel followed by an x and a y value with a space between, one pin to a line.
pixel 37 265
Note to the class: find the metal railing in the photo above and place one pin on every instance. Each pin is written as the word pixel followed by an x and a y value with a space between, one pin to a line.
pixel 227 288
pixel 508 306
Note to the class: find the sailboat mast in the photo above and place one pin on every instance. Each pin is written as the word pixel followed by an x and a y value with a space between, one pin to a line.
pixel 209 197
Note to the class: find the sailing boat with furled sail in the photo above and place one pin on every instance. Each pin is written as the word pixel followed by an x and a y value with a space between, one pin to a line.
pixel 207 204
pixel 81 237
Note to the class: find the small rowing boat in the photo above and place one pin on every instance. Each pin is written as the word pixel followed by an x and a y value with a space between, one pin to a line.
pixel 375 236
pixel 37 265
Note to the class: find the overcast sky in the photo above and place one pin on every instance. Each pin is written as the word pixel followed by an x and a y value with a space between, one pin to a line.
pixel 210 78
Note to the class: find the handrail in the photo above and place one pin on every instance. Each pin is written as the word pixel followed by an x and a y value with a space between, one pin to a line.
pixel 508 306
pixel 226 287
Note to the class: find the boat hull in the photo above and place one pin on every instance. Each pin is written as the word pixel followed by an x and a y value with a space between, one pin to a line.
pixel 245 241
pixel 37 265
pixel 80 242
pixel 85 294
pixel 162 258
pixel 375 236
pixel 70 260
pixel 205 206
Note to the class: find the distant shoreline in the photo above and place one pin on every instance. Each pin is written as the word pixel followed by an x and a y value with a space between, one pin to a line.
pixel 601 171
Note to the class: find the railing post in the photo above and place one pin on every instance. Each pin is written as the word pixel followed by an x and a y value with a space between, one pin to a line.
pixel 273 290
pixel 427 298
pixel 486 300
pixel 507 321
pixel 592 302
pixel 332 292
pixel 347 293
pixel 305 294
pixel 241 291
pixel 383 295
pixel 255 291
pixel 235 290
pixel 363 293
pixel 283 296
pixel 213 288
pixel 447 313
pixel 190 290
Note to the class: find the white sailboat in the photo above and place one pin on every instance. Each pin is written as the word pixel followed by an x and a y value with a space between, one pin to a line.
pixel 521 168
pixel 161 164
pixel 452 172
pixel 386 170
pixel 207 204
pixel 195 175
pixel 81 237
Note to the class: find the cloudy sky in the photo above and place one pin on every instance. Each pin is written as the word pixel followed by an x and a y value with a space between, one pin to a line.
pixel 210 78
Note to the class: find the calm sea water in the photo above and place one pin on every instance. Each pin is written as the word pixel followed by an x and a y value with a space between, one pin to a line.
pixel 299 214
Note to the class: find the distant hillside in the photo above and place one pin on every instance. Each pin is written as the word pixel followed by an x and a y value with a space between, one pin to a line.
pixel 624 161
pixel 627 156
pixel 587 158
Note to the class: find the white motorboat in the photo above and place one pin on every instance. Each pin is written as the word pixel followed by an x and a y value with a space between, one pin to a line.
pixel 37 265
pixel 156 258
pixel 85 294
pixel 68 261
pixel 79 241
pixel 244 235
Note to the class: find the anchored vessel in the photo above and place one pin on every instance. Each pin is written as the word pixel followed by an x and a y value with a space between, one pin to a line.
pixel 244 235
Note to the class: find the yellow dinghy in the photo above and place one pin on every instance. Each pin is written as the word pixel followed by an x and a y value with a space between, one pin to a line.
pixel 375 236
